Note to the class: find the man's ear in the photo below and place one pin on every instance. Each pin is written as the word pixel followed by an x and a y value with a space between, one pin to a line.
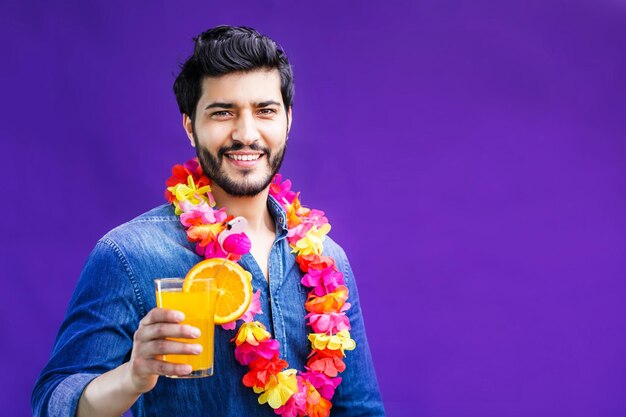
pixel 188 126
pixel 289 119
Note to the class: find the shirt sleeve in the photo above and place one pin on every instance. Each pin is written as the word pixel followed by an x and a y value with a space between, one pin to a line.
pixel 96 334
pixel 358 394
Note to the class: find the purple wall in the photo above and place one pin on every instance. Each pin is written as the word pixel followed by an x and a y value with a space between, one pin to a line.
pixel 471 157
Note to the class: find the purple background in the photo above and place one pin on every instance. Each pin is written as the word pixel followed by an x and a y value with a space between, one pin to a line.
pixel 470 156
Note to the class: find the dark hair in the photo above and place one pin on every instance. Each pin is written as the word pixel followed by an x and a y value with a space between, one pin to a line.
pixel 226 49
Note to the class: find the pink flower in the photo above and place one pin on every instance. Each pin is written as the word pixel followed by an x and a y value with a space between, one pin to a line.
pixel 298 232
pixel 325 385
pixel 309 219
pixel 254 308
pixel 230 325
pixel 202 213
pixel 317 217
pixel 193 166
pixel 247 353
pixel 211 250
pixel 330 322
pixel 323 281
pixel 281 192
pixel 204 224
pixel 248 316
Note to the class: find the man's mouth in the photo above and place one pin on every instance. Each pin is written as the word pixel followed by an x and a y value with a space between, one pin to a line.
pixel 244 157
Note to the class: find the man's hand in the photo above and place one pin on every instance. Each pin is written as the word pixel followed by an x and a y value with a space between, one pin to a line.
pixel 114 392
pixel 150 343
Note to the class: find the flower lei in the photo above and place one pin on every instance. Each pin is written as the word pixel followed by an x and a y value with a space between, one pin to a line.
pixel 288 392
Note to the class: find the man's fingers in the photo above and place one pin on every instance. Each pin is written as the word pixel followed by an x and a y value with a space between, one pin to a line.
pixel 157 315
pixel 159 367
pixel 162 330
pixel 166 347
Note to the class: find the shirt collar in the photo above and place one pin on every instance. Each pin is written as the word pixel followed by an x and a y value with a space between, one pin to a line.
pixel 279 215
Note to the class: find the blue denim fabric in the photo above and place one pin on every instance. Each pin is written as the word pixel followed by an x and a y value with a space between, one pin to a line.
pixel 116 290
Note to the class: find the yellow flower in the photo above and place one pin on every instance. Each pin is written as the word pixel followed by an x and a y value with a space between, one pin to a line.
pixel 340 341
pixel 252 333
pixel 189 192
pixel 279 389
pixel 312 242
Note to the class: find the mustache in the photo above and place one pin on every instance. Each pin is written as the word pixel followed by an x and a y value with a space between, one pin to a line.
pixel 239 147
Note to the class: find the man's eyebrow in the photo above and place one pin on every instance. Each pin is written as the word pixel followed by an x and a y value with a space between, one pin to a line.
pixel 224 105
pixel 268 103
pixel 220 105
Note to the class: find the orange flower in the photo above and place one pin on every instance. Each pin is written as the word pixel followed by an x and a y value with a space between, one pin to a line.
pixel 313 261
pixel 261 370
pixel 295 212
pixel 327 362
pixel 316 405
pixel 329 303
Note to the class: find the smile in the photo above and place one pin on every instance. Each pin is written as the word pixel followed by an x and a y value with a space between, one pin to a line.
pixel 244 157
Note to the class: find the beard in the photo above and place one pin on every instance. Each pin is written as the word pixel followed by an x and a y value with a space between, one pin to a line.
pixel 247 187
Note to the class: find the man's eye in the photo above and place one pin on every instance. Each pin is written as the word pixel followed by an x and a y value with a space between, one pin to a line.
pixel 219 114
pixel 267 112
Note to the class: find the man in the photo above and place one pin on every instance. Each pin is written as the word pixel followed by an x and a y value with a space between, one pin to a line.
pixel 235 93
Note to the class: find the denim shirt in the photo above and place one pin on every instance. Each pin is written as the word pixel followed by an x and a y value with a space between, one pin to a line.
pixel 115 291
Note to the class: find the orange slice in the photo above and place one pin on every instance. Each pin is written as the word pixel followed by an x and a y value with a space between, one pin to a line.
pixel 233 284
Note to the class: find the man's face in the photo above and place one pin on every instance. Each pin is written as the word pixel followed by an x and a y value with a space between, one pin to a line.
pixel 240 130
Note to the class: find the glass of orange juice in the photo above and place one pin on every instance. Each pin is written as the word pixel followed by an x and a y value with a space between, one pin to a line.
pixel 197 302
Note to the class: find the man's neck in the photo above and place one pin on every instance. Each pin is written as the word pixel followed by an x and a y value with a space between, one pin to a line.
pixel 254 209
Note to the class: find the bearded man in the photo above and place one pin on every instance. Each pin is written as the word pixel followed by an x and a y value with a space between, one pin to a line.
pixel 235 94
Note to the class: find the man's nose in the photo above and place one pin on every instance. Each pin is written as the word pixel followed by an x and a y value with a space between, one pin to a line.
pixel 245 129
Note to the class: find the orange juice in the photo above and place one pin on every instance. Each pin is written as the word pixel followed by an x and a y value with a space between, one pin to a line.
pixel 198 306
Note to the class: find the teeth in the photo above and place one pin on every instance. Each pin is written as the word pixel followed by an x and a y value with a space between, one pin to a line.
pixel 244 157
